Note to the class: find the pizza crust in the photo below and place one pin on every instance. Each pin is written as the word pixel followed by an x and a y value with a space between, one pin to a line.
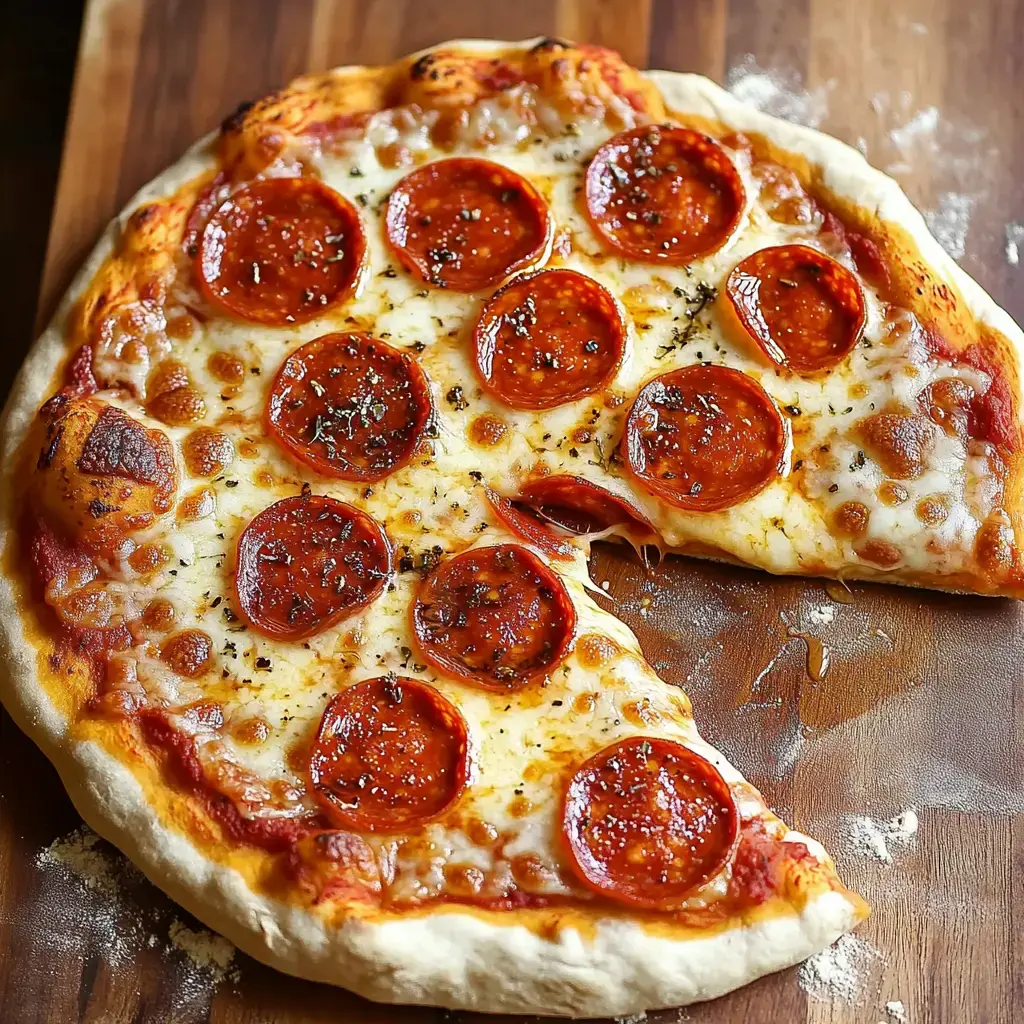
pixel 455 960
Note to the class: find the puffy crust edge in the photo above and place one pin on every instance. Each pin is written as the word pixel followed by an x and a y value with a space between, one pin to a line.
pixel 443 958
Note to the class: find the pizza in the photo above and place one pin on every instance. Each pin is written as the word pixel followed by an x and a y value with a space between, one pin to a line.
pixel 300 485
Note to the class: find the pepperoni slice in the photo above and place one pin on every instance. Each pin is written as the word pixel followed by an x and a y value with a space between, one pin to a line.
pixel 349 406
pixel 548 338
pixel 467 224
pixel 497 616
pixel 705 437
pixel 802 308
pixel 529 527
pixel 663 195
pixel 581 506
pixel 390 754
pixel 647 821
pixel 307 562
pixel 281 251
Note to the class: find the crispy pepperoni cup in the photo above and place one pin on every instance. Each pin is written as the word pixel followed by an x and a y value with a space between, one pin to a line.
pixel 467 224
pixel 495 616
pixel 349 406
pixel 705 438
pixel 548 338
pixel 391 754
pixel 307 562
pixel 663 194
pixel 647 821
pixel 804 310
pixel 581 506
pixel 281 251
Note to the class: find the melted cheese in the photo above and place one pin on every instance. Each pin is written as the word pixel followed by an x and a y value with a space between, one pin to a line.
pixel 524 745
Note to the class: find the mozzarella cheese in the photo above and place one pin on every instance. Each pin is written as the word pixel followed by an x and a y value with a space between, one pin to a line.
pixel 506 828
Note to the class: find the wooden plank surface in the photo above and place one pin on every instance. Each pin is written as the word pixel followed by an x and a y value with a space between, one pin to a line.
pixel 923 705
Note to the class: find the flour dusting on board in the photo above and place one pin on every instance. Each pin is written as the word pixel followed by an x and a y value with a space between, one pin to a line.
pixel 779 92
pixel 912 140
pixel 843 973
pixel 897 1011
pixel 1014 241
pixel 94 903
pixel 956 156
pixel 881 840
pixel 950 221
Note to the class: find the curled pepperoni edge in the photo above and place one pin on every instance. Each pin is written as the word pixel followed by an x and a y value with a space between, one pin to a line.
pixel 398 207
pixel 555 492
pixel 570 819
pixel 454 668
pixel 485 331
pixel 302 451
pixel 698 141
pixel 447 716
pixel 335 617
pixel 341 206
pixel 697 504
pixel 762 338
pixel 529 528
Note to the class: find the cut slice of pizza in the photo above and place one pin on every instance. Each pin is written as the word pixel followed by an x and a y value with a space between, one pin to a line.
pixel 291 593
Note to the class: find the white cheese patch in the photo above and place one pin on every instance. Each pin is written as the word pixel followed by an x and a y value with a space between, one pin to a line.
pixel 522 745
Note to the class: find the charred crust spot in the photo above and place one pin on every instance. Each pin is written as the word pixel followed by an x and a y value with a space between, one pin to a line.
pixel 234 121
pixel 54 407
pixel 46 456
pixel 421 67
pixel 550 43
pixel 118 446
pixel 144 215
pixel 98 509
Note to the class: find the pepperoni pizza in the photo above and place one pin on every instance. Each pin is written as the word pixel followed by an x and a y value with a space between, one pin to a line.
pixel 299 487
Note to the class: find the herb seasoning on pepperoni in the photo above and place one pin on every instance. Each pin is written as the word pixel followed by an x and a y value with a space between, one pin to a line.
pixel 497 616
pixel 581 506
pixel 705 437
pixel 349 406
pixel 306 562
pixel 802 308
pixel 529 527
pixel 467 224
pixel 663 194
pixel 548 338
pixel 647 821
pixel 281 251
pixel 390 754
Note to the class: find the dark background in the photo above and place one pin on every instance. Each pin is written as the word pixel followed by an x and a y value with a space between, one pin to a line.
pixel 38 42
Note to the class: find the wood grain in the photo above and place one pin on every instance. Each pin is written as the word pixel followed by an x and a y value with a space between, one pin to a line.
pixel 924 702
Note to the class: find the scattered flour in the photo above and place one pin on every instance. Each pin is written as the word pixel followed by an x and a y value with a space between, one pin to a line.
pixel 821 614
pixel 81 855
pixel 203 948
pixel 91 905
pixel 950 221
pixel 910 137
pixel 842 973
pixel 878 839
pixel 1014 241
pixel 954 155
pixel 897 1011
pixel 779 92
pixel 633 1018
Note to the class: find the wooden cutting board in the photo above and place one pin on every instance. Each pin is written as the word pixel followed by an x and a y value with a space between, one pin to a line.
pixel 922 703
